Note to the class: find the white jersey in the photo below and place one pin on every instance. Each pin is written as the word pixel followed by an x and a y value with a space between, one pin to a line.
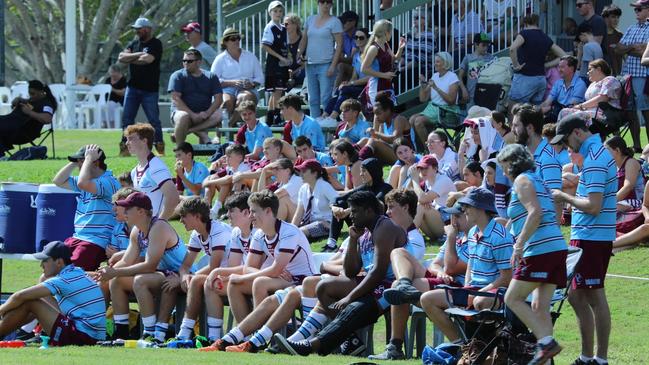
pixel 416 244
pixel 217 240
pixel 240 244
pixel 150 179
pixel 289 239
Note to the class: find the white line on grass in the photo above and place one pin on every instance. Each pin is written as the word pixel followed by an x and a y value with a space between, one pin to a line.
pixel 627 277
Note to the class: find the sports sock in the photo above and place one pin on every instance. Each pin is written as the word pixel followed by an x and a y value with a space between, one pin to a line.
pixel 311 325
pixel 545 340
pixel 214 327
pixel 235 336
pixel 601 361
pixel 585 358
pixel 307 305
pixel 186 328
pixel 29 327
pixel 397 342
pixel 120 318
pixel 161 331
pixel 149 325
pixel 261 337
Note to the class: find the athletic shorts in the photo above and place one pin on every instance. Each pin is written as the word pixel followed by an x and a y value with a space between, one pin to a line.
pixel 65 333
pixel 433 281
pixel 593 264
pixel 545 268
pixel 276 79
pixel 317 229
pixel 85 255
pixel 461 298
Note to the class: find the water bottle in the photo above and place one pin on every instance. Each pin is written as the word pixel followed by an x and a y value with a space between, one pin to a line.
pixel 143 344
pixel 45 344
pixel 225 116
pixel 130 344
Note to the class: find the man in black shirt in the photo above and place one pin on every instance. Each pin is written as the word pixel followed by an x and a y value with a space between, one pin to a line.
pixel 143 58
pixel 586 8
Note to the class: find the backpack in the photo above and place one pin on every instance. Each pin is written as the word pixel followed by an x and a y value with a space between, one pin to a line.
pixel 30 153
pixel 496 72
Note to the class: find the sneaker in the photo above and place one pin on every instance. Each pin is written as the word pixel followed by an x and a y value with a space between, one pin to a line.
pixel 201 341
pixel 179 343
pixel 328 248
pixel 352 346
pixel 391 353
pixel 160 148
pixel 243 347
pixel 22 335
pixel 403 293
pixel 546 352
pixel 218 345
pixel 302 348
pixel 578 361
pixel 123 150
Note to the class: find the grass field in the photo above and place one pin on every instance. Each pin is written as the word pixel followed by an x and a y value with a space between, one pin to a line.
pixel 628 344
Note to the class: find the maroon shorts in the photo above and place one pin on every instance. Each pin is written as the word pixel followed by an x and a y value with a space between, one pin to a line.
pixel 86 255
pixel 434 281
pixel 65 333
pixel 591 270
pixel 545 268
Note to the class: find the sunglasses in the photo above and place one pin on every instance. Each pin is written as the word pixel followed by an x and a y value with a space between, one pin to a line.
pixel 233 39
pixel 637 10
pixel 360 38
pixel 325 1
pixel 189 61
pixel 579 5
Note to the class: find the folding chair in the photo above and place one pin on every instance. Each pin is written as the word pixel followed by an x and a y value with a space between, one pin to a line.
pixel 452 123
pixel 616 121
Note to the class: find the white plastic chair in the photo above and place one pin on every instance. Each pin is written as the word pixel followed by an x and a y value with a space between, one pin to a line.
pixel 20 89
pixel 96 100
pixel 5 100
pixel 58 90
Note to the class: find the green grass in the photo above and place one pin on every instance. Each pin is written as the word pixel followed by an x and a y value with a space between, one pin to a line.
pixel 628 344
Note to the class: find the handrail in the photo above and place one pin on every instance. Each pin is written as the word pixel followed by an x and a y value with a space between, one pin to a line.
pixel 241 14
pixel 402 8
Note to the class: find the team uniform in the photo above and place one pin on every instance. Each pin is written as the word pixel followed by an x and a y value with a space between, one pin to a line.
pixel 547 165
pixel 317 207
pixel 275 37
pixel 255 138
pixel 289 239
pixel 197 174
pixel 323 158
pixel 310 129
pixel 150 179
pixel 354 134
pixel 218 239
pixel 93 221
pixel 416 244
pixel 120 237
pixel 172 258
pixel 545 252
pixel 240 244
pixel 82 320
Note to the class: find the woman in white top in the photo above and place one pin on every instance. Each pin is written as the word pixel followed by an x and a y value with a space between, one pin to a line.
pixel 239 72
pixel 437 144
pixel 313 214
pixel 442 91
pixel 322 40
pixel 288 186
pixel 432 189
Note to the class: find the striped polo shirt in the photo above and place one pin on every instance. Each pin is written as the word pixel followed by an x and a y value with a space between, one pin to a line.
pixel 547 237
pixel 94 218
pixel 79 299
pixel 218 240
pixel 462 250
pixel 547 165
pixel 489 252
pixel 120 237
pixel 598 175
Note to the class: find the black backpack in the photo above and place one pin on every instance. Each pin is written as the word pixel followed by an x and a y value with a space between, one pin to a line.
pixel 30 153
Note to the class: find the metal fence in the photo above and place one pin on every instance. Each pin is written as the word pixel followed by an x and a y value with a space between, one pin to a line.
pixel 428 27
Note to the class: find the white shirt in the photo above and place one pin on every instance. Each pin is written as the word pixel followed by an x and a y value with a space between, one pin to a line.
pixel 448 164
pixel 240 244
pixel 323 196
pixel 443 83
pixel 289 239
pixel 292 187
pixel 442 186
pixel 247 68
pixel 150 179
pixel 243 167
pixel 416 245
pixel 217 240
pixel 495 9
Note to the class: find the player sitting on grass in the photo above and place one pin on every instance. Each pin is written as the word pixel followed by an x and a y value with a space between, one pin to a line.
pixel 68 303
pixel 155 251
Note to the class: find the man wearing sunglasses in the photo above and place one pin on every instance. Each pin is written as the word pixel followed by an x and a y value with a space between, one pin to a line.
pixel 196 95
pixel 586 9
pixel 68 304
pixel 593 230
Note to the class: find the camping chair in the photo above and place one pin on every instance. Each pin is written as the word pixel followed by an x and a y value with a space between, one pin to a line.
pixel 499 317
pixel 36 139
pixel 452 123
pixel 616 121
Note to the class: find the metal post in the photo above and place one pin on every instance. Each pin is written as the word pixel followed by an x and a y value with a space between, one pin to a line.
pixel 377 10
pixel 219 20
pixel 70 59
pixel 205 19
pixel 2 49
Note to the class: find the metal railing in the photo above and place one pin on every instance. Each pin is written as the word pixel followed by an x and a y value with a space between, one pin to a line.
pixel 429 26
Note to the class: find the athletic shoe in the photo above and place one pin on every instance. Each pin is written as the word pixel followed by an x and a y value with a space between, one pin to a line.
pixel 302 348
pixel 352 346
pixel 403 293
pixel 218 345
pixel 179 343
pixel 243 347
pixel 201 341
pixel 391 353
pixel 545 352
pixel 149 340
pixel 579 361
pixel 22 335
pixel 328 248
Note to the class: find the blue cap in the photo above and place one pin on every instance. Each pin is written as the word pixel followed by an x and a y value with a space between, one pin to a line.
pixel 455 209
pixel 479 198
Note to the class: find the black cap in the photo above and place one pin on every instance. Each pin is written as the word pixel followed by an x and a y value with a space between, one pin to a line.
pixel 481 38
pixel 566 126
pixel 55 250
pixel 81 154
pixel 348 15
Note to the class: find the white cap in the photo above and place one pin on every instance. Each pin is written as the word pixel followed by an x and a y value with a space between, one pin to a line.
pixel 274 4
pixel 142 23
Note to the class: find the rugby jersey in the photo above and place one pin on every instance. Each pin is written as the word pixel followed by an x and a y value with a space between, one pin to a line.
pixel 355 133
pixel 462 250
pixel 598 175
pixel 196 176
pixel 288 239
pixel 310 129
pixel 172 257
pixel 150 179
pixel 547 237
pixel 79 299
pixel 489 252
pixel 218 239
pixel 255 138
pixel 547 165
pixel 94 218
pixel 120 237
pixel 240 244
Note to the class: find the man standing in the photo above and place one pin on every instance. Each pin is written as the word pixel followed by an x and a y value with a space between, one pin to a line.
pixel 593 230
pixel 193 36
pixel 78 315
pixel 93 219
pixel 567 91
pixel 143 57
pixel 586 9
pixel 632 45
pixel 196 95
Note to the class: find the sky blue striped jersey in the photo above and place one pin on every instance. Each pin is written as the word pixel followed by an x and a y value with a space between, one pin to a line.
pixel 489 252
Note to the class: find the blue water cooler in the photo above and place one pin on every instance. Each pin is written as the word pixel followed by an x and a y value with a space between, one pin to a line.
pixel 17 217
pixel 55 208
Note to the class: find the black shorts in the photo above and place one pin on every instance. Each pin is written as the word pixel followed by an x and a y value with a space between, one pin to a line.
pixel 276 78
